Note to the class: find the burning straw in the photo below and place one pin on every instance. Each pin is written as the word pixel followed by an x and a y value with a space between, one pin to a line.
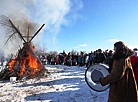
pixel 25 64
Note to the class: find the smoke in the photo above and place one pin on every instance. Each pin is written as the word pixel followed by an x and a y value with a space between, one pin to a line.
pixel 54 13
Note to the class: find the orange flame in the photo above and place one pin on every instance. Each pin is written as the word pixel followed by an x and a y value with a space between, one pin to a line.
pixel 27 64
pixel 11 64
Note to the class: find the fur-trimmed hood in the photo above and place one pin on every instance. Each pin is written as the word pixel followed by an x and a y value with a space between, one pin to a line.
pixel 120 55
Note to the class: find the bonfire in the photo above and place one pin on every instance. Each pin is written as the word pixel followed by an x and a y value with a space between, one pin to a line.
pixel 25 64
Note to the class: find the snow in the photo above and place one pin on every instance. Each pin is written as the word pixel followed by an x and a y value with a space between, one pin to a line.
pixel 63 84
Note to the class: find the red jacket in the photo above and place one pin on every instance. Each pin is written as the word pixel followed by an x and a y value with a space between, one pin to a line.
pixel 134 62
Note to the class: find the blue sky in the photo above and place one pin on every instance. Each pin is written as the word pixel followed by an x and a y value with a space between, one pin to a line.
pixel 100 23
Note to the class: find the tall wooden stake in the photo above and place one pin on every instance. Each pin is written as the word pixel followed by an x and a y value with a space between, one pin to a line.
pixel 17 30
pixel 36 33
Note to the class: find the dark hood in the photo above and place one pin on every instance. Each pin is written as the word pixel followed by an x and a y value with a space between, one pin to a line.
pixel 120 55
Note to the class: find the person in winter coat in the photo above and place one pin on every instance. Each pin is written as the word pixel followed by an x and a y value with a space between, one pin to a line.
pixel 100 56
pixel 122 82
pixel 134 62
pixel 86 60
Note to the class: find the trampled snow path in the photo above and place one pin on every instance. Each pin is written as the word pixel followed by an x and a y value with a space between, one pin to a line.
pixel 64 84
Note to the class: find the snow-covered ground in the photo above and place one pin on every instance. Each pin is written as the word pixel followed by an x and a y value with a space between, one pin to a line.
pixel 64 84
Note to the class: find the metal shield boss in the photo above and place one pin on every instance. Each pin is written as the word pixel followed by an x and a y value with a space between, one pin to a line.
pixel 93 74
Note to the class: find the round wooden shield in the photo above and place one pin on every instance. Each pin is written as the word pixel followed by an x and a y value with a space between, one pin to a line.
pixel 93 74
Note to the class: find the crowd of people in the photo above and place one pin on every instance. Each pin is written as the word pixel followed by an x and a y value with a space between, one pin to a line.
pixel 80 59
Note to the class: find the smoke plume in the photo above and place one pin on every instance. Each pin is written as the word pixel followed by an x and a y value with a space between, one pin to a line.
pixel 52 13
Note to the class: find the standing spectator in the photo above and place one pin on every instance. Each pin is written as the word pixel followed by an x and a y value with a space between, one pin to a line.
pixel 79 60
pixel 134 61
pixel 100 57
pixel 122 82
pixel 48 59
pixel 86 60
pixel 94 57
pixel 68 59
pixel 74 60
pixel 57 60
pixel 90 59
pixel 43 59
pixel 108 58
pixel 53 59
pixel 61 57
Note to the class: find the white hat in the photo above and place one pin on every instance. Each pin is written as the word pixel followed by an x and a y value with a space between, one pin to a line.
pixel 135 53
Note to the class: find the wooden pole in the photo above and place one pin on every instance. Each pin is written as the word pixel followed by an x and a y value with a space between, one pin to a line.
pixel 36 33
pixel 17 30
pixel 28 34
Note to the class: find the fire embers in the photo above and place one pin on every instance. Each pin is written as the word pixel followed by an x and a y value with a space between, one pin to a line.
pixel 26 64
